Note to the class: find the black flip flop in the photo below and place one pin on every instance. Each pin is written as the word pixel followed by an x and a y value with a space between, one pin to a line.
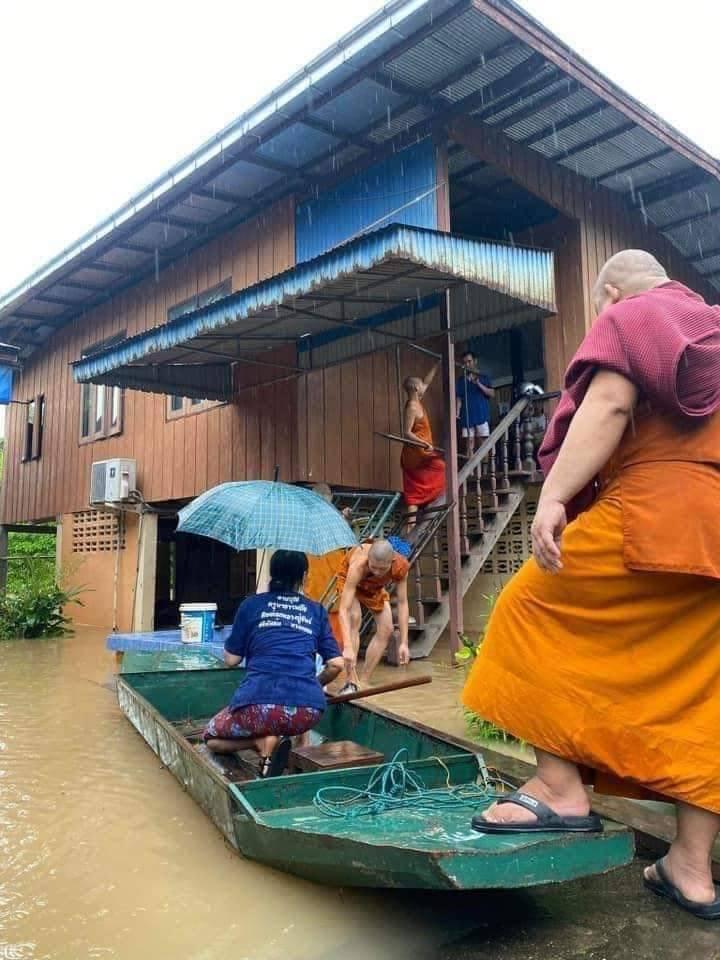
pixel 664 887
pixel 274 765
pixel 547 820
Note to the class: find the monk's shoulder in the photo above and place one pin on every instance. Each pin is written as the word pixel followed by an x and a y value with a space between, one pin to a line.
pixel 358 559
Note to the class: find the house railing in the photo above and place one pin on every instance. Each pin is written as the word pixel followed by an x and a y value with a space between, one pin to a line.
pixel 505 459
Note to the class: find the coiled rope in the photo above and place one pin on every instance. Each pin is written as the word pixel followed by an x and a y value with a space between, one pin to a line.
pixel 393 786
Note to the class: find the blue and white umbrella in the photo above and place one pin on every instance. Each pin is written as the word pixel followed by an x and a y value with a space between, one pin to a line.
pixel 259 514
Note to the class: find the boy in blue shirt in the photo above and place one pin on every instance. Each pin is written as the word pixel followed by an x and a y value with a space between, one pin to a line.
pixel 473 391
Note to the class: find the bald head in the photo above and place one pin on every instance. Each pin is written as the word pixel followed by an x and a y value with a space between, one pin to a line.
pixel 380 556
pixel 413 386
pixel 626 274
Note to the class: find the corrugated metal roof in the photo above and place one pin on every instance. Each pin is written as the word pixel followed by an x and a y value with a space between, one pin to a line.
pixel 553 113
pixel 404 67
pixel 361 106
pixel 447 50
pixel 483 76
pixel 349 288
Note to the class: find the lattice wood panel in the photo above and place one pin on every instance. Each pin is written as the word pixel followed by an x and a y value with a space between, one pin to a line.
pixel 514 546
pixel 95 531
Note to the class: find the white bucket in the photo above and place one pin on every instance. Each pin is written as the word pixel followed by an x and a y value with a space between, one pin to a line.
pixel 197 622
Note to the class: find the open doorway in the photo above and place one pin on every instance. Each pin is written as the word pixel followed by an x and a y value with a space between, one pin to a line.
pixel 193 569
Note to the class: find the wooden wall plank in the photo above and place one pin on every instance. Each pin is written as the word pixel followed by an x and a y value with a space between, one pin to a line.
pixel 265 402
pixel 285 426
pixel 301 433
pixel 253 458
pixel 212 458
pixel 316 418
pixel 237 438
pixel 349 416
pixel 366 388
pixel 330 427
pixel 381 403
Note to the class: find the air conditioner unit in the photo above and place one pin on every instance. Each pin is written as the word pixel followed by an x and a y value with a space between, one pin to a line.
pixel 112 481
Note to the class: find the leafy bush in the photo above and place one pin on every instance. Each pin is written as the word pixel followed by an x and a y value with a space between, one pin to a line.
pixel 35 608
pixel 478 727
pixel 32 555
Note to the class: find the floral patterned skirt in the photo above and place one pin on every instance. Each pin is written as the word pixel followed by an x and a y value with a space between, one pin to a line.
pixel 261 720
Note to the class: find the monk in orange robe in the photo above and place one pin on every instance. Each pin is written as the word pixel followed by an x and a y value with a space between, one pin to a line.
pixel 323 569
pixel 604 651
pixel 367 572
pixel 423 468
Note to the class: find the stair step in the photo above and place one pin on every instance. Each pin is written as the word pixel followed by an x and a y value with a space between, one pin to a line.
pixel 481 545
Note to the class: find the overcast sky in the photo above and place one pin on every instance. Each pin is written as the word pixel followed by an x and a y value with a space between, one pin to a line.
pixel 99 99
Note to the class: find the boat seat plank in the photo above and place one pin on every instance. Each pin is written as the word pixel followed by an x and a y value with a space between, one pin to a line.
pixel 333 755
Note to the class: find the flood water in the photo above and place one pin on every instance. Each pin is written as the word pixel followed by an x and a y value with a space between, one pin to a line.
pixel 102 855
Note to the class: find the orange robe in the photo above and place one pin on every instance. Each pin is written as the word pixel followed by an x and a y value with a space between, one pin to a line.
pixel 371 591
pixel 321 570
pixel 614 663
pixel 423 470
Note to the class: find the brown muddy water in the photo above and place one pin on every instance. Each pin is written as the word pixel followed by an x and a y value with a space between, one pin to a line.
pixel 102 855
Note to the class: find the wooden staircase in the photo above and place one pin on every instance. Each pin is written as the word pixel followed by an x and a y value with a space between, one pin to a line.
pixel 491 487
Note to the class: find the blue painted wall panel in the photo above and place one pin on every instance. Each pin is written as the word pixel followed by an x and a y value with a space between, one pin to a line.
pixel 6 384
pixel 370 198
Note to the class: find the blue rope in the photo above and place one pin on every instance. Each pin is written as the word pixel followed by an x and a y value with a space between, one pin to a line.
pixel 393 786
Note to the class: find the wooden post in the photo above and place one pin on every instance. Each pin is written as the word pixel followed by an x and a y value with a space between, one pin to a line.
pixel 59 531
pixel 400 397
pixel 516 357
pixel 144 598
pixel 3 559
pixel 451 489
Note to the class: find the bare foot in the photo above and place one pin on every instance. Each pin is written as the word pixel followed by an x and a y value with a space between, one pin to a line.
pixel 693 882
pixel 574 804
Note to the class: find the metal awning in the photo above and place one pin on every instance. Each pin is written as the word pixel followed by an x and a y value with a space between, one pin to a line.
pixel 359 286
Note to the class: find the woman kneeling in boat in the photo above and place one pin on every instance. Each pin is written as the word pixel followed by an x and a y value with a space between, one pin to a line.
pixel 278 634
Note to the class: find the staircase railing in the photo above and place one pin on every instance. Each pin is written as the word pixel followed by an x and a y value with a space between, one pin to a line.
pixel 485 482
pixel 509 454
pixel 370 513
pixel 426 546
pixel 371 516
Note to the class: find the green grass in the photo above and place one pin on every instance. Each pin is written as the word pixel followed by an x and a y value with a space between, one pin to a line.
pixel 479 728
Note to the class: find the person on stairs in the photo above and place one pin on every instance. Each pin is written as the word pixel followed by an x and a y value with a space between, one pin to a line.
pixel 362 581
pixel 278 634
pixel 423 468
pixel 473 392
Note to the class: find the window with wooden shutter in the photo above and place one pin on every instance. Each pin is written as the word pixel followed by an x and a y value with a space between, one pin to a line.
pixel 177 406
pixel 34 422
pixel 101 407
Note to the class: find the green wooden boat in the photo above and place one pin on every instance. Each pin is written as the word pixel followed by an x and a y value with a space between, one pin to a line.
pixel 275 821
